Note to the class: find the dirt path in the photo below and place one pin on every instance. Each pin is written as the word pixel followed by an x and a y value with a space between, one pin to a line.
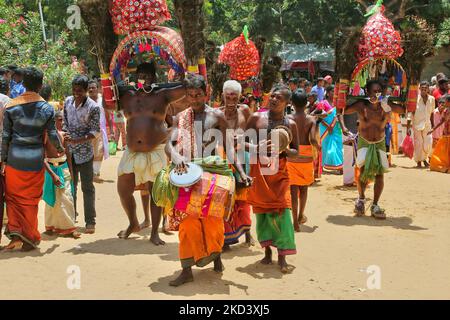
pixel 410 249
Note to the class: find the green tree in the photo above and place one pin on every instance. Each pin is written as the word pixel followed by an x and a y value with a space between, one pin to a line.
pixel 21 43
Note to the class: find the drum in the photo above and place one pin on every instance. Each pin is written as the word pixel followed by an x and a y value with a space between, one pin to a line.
pixel 281 138
pixel 192 176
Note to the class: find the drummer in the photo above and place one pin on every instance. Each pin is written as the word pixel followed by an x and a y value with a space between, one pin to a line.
pixel 195 132
pixel 270 194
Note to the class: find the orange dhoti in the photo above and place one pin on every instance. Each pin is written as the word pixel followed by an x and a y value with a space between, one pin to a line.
pixel 440 160
pixel 201 240
pixel 23 192
pixel 302 173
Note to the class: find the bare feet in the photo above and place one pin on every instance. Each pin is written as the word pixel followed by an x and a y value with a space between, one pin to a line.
pixel 249 241
pixel 226 248
pixel 303 220
pixel 218 265
pixel 27 247
pixel 268 257
pixel 76 235
pixel 426 164
pixel 185 277
pixel 156 240
pixel 49 233
pixel 284 267
pixel 419 164
pixel 296 227
pixel 14 245
pixel 145 225
pixel 125 234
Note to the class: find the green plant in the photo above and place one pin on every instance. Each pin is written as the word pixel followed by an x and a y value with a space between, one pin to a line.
pixel 21 44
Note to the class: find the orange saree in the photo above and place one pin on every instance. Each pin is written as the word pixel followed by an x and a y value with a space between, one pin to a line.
pixel 23 193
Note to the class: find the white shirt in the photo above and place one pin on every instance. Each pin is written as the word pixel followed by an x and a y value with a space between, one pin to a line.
pixel 421 119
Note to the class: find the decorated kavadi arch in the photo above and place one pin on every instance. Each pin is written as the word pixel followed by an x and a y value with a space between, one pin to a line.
pixel 377 52
pixel 138 21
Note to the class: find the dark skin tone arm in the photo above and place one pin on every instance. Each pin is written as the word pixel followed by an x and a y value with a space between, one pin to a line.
pixel 250 147
pixel 223 125
pixel 294 146
pixel 170 149
pixel 56 181
pixel 313 136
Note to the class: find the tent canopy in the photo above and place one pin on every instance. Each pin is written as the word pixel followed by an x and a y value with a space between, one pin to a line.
pixel 296 56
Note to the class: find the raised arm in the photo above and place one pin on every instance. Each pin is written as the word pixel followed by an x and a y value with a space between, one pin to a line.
pixel 353 108
pixel 397 108
pixel 173 94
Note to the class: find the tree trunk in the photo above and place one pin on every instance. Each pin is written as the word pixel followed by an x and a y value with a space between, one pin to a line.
pixel 95 14
pixel 192 24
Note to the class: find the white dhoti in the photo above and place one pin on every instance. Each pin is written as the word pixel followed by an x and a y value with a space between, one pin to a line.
pixel 349 165
pixel 59 208
pixel 144 165
pixel 423 145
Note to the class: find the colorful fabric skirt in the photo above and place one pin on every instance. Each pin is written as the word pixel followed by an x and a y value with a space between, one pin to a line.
pixel 276 230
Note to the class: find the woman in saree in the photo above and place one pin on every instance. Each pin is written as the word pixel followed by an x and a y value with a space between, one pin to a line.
pixel 331 135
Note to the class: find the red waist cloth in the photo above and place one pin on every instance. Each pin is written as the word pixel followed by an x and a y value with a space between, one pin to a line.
pixel 23 192
pixel 270 193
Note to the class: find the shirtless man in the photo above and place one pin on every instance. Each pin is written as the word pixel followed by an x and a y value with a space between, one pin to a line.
pixel 236 116
pixel 372 159
pixel 146 137
pixel 301 167
pixel 270 193
pixel 194 232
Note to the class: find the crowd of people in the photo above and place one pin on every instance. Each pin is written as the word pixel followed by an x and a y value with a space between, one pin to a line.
pixel 46 152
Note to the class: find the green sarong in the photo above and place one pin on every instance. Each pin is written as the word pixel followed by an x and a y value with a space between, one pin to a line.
pixel 373 165
pixel 276 230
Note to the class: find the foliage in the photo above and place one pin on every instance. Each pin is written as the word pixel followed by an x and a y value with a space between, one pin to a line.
pixel 21 44
pixel 443 36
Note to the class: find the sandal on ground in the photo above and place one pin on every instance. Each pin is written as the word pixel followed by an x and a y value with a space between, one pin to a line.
pixel 377 212
pixel 360 208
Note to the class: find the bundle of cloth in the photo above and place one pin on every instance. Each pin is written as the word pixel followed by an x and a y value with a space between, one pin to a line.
pixel 213 196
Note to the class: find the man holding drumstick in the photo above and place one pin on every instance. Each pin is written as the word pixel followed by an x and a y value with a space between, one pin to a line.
pixel 195 132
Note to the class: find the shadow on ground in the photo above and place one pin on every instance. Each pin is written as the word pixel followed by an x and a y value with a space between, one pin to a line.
pixel 206 282
pixel 261 271
pixel 4 255
pixel 119 247
pixel 308 229
pixel 403 223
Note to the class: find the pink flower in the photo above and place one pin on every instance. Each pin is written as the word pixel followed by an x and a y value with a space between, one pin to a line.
pixel 2 21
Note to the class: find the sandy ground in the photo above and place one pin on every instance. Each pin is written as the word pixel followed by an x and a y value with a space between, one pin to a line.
pixel 411 250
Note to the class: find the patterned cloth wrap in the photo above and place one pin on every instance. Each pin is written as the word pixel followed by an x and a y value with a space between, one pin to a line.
pixel 133 15
pixel 212 196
